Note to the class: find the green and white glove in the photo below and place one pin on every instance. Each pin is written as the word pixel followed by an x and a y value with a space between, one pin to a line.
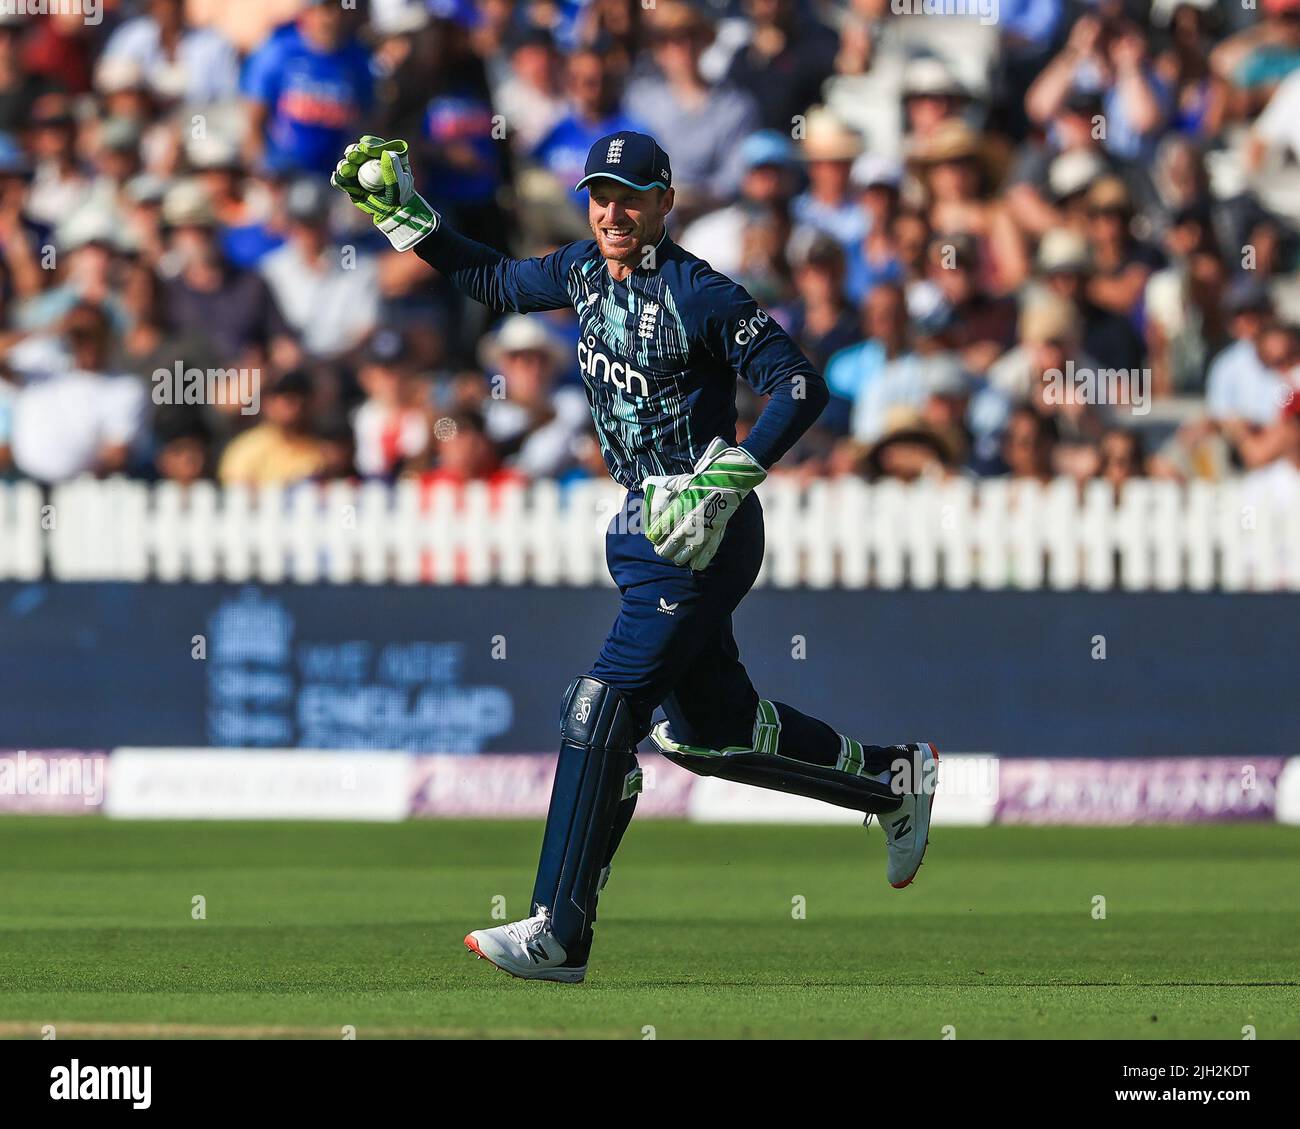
pixel 398 210
pixel 686 514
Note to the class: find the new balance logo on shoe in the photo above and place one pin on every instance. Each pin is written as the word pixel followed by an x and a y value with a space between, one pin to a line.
pixel 902 828
pixel 666 607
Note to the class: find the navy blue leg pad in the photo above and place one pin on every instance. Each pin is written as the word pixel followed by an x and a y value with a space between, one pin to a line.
pixel 595 735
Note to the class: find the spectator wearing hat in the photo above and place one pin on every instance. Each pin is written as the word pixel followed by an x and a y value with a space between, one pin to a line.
pixel 1064 266
pixel 79 417
pixel 330 305
pixel 1121 262
pixel 192 65
pixel 932 96
pixel 700 120
pixel 88 243
pixel 718 236
pixel 535 425
pixel 392 425
pixel 307 89
pixel 1046 179
pixel 828 205
pixel 284 448
pixel 958 169
pixel 784 61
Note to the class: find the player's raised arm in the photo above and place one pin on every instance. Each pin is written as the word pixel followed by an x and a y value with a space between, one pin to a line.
pixel 376 176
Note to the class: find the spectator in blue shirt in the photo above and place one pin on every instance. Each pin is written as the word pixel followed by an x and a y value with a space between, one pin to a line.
pixel 308 87
pixel 596 111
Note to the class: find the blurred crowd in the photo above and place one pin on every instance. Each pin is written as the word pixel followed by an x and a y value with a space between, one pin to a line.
pixel 1042 238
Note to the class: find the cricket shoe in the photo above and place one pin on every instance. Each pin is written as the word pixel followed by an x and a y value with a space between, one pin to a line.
pixel 907 830
pixel 526 949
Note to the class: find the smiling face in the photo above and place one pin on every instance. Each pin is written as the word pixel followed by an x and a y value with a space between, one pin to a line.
pixel 625 220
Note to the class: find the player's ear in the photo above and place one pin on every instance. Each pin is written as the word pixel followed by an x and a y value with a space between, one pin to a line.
pixel 666 201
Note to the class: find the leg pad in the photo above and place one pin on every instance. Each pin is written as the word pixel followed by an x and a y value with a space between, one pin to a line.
pixel 780 774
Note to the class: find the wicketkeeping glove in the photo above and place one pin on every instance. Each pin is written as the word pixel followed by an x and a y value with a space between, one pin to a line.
pixel 687 514
pixel 398 210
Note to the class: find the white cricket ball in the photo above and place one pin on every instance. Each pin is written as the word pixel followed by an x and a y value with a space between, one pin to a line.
pixel 371 176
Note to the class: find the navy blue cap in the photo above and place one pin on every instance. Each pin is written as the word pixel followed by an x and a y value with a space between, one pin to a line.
pixel 634 159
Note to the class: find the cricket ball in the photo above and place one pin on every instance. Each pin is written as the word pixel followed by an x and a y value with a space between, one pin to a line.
pixel 371 176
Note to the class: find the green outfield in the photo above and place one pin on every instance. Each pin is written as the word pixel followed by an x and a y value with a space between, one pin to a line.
pixel 706 931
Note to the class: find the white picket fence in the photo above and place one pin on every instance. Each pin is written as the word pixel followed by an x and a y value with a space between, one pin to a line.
pixel 846 533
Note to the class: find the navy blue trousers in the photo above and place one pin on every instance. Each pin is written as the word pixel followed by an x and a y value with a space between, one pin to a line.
pixel 672 643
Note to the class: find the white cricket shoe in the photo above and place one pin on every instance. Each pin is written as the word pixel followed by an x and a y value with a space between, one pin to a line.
pixel 907 830
pixel 526 949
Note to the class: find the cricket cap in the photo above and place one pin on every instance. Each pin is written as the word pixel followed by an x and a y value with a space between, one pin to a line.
pixel 631 158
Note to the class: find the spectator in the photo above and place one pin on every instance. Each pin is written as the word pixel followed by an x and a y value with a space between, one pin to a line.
pixel 182 64
pixel 768 181
pixel 595 109
pixel 828 205
pixel 228 314
pixel 535 425
pixel 531 97
pixel 283 448
pixel 1028 445
pixel 703 120
pixel 393 423
pixel 464 453
pixel 784 62
pixel 308 87
pixel 331 304
pixel 81 420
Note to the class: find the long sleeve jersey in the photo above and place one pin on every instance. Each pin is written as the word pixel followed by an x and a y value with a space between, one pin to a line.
pixel 659 352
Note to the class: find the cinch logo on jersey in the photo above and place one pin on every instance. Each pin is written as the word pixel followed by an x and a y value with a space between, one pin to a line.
pixel 597 365
pixel 752 327
pixel 101 1083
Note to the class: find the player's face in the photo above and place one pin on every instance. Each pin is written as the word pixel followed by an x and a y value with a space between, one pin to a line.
pixel 625 220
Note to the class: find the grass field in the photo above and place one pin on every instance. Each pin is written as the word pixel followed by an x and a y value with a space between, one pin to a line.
pixel 311 927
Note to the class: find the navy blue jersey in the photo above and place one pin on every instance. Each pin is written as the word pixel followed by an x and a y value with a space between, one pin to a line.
pixel 659 351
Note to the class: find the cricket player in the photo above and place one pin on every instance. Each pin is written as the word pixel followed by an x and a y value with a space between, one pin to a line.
pixel 663 339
